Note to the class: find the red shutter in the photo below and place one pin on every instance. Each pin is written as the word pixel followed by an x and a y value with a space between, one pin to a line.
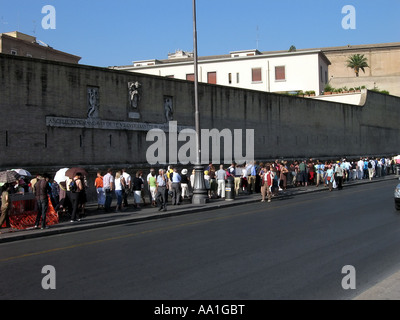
pixel 212 77
pixel 280 73
pixel 256 75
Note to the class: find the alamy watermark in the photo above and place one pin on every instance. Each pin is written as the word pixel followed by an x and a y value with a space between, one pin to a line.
pixel 349 280
pixel 187 153
pixel 49 20
pixel 349 20
pixel 49 280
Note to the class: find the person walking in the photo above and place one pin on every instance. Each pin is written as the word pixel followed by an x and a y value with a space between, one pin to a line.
pixel 329 177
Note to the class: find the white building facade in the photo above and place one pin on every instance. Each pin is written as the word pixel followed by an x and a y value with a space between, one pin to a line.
pixel 250 69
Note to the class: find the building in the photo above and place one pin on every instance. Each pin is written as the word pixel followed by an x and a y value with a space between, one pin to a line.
pixel 20 44
pixel 383 72
pixel 277 72
pixel 283 71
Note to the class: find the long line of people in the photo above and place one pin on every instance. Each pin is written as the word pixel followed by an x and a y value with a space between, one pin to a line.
pixel 268 179
pixel 171 186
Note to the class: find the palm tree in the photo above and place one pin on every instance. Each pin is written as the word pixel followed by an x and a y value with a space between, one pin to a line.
pixel 357 62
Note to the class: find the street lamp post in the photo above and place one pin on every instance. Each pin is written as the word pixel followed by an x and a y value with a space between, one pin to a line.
pixel 200 195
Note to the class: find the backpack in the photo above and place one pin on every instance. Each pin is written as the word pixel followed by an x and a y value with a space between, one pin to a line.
pixel 73 186
pixel 369 165
pixel 268 177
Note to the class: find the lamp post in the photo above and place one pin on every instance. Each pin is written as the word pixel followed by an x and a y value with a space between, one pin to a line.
pixel 200 195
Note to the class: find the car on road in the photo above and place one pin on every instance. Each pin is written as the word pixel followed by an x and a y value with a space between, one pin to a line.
pixel 397 197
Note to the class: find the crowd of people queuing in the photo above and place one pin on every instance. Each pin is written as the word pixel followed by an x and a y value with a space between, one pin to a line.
pixel 267 179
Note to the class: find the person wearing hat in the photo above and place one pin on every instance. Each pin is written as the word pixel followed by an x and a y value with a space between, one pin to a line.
pixel 184 184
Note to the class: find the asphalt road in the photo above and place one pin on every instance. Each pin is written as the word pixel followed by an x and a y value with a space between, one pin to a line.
pixel 288 249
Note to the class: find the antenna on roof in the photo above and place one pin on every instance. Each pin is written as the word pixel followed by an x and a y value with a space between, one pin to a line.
pixel 258 38
pixel 2 21
pixel 34 27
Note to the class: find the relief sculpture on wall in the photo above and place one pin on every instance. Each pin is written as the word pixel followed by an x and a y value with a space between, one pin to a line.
pixel 93 102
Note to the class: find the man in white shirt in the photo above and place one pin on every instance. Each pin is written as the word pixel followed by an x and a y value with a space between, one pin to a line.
pixel 108 185
pixel 360 169
pixel 128 186
pixel 221 177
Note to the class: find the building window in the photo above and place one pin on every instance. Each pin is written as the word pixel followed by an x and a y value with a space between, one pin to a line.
pixel 230 78
pixel 321 74
pixel 326 77
pixel 280 73
pixel 237 77
pixel 256 75
pixel 14 52
pixel 212 77
pixel 190 77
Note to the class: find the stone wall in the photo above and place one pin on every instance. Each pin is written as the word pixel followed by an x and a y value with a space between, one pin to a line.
pixel 45 123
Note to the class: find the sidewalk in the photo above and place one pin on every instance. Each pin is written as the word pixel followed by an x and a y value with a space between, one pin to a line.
pixel 97 218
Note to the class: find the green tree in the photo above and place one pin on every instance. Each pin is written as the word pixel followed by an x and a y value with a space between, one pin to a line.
pixel 357 62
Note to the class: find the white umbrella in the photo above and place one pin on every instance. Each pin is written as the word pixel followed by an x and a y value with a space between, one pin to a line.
pixel 22 172
pixel 60 175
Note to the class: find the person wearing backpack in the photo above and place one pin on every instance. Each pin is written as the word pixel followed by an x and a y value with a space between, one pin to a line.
pixel 267 179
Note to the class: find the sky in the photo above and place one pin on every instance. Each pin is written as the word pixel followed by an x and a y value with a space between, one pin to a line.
pixel 115 33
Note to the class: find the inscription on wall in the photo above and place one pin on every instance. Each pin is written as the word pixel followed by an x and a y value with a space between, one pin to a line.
pixel 62 122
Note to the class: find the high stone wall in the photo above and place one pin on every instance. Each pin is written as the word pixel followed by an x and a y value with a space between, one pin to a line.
pixel 44 118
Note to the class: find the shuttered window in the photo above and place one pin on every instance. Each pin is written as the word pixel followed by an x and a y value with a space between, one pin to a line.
pixel 256 75
pixel 190 77
pixel 212 77
pixel 280 73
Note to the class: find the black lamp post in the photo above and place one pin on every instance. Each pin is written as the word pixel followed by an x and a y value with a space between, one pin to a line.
pixel 200 195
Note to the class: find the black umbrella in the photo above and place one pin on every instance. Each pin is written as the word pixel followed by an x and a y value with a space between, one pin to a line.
pixel 9 176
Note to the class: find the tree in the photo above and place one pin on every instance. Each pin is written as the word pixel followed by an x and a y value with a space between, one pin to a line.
pixel 292 48
pixel 357 62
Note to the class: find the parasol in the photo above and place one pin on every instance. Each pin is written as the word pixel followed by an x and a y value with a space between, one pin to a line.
pixel 70 173
pixel 22 172
pixel 9 176
pixel 60 175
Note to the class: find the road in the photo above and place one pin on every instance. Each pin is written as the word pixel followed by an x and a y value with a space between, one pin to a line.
pixel 293 248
